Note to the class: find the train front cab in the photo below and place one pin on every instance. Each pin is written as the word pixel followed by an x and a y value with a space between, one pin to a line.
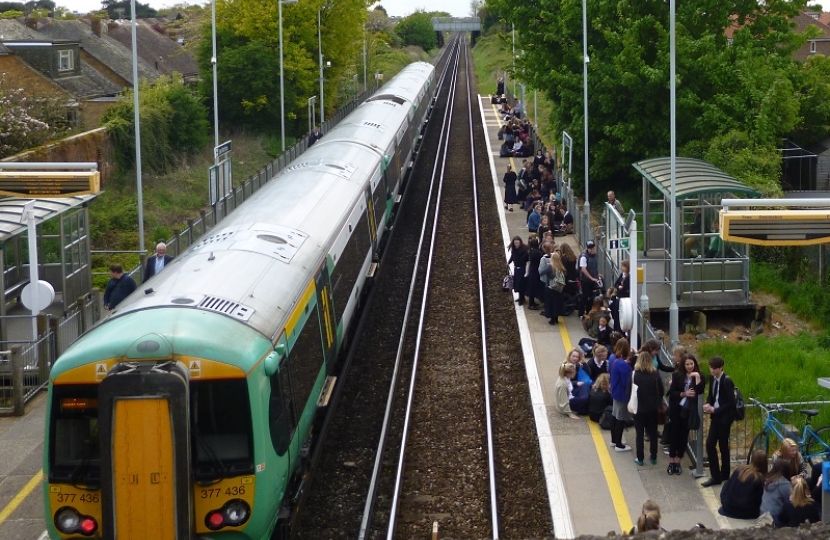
pixel 122 452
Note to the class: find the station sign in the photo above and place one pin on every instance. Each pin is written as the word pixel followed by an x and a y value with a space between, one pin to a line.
pixel 222 149
pixel 785 227
pixel 619 243
pixel 49 184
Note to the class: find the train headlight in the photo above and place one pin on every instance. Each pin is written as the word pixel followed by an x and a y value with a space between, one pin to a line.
pixel 70 521
pixel 236 512
pixel 67 520
pixel 233 514
pixel 88 526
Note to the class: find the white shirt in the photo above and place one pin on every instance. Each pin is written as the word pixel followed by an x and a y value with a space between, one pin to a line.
pixel 159 263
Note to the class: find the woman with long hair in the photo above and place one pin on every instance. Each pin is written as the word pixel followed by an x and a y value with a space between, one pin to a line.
pixel 557 299
pixel 569 261
pixel 800 507
pixel 510 196
pixel 519 256
pixel 564 390
pixel 620 371
pixel 533 287
pixel 687 383
pixel 789 450
pixel 649 397
pixel 777 490
pixel 649 519
pixel 600 397
pixel 740 497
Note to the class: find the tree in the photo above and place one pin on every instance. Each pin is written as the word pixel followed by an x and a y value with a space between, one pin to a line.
pixel 117 10
pixel 173 124
pixel 251 94
pixel 749 86
pixel 416 29
pixel 27 121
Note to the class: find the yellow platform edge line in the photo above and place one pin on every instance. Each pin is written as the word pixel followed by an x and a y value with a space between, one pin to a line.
pixel 21 496
pixel 607 466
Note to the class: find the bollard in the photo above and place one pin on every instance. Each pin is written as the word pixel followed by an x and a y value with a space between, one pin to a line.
pixel 18 389
pixel 825 491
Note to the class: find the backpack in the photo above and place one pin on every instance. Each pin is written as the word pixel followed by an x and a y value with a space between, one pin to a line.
pixel 558 282
pixel 740 404
pixel 606 421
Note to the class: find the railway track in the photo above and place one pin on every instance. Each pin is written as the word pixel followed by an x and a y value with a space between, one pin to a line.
pixel 453 319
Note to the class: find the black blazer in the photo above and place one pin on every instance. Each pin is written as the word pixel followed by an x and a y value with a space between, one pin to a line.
pixel 727 397
pixel 150 268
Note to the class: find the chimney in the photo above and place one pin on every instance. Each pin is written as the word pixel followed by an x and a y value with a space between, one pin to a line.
pixel 96 26
pixel 31 22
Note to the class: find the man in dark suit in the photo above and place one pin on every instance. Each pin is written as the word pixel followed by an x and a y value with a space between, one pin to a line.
pixel 721 405
pixel 315 136
pixel 156 263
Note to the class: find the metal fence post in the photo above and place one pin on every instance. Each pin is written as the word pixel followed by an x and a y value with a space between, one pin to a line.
pixel 54 331
pixel 18 389
pixel 699 441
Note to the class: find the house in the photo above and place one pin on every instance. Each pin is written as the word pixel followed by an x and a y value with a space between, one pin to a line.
pixel 55 67
pixel 817 45
pixel 164 54
pixel 106 55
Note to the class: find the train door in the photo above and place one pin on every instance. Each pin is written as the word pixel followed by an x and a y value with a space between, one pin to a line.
pixel 145 457
pixel 325 308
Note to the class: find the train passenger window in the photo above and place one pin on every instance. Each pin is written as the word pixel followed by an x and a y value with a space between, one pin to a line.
pixel 281 421
pixel 220 429
pixel 74 452
pixel 348 268
pixel 306 361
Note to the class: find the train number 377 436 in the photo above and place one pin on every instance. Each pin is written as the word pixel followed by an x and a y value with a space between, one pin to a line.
pixel 217 492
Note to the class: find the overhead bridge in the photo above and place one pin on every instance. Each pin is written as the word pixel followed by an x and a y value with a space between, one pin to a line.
pixel 456 24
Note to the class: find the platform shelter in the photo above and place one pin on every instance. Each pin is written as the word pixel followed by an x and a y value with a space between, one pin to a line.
pixel 711 273
pixel 63 254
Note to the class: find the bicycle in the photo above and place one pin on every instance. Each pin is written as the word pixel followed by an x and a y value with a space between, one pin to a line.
pixel 814 445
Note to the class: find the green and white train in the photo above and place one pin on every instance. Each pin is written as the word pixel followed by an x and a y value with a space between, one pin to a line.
pixel 190 412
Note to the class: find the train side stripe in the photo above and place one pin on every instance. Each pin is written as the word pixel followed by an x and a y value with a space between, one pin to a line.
pixel 294 319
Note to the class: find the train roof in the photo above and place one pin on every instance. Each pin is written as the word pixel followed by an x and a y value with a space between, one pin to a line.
pixel 255 265
pixel 271 246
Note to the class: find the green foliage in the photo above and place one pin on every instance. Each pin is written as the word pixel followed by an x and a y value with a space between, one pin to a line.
pixel 786 273
pixel 173 124
pixel 758 166
pixel 248 59
pixel 779 369
pixel 416 29
pixel 124 8
pixel 11 14
pixel 752 87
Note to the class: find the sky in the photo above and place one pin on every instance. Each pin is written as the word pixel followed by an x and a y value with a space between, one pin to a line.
pixel 456 8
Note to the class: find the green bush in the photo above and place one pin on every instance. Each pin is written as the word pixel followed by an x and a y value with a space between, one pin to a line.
pixel 173 124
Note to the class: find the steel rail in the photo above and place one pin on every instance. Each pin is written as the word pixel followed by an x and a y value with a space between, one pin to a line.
pixel 482 320
pixel 387 419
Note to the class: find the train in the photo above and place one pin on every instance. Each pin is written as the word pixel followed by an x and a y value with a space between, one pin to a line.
pixel 192 409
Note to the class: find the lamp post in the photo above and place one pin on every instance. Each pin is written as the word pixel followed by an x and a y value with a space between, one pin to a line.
pixel 320 51
pixel 215 84
pixel 139 189
pixel 674 316
pixel 585 106
pixel 282 75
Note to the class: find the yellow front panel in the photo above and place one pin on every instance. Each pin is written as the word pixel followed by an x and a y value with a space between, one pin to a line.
pixel 213 496
pixel 143 470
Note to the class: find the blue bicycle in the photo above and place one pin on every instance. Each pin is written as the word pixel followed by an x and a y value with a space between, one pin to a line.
pixel 814 445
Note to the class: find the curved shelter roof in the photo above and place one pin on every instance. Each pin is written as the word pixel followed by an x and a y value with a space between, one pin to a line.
pixel 693 177
pixel 11 210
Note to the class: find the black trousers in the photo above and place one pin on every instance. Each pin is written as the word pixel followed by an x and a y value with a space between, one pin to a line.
pixel 646 422
pixel 718 438
pixel 678 436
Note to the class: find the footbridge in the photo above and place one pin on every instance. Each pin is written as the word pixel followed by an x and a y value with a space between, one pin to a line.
pixel 456 24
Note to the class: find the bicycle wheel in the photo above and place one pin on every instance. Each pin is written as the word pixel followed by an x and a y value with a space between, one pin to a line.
pixel 817 449
pixel 760 442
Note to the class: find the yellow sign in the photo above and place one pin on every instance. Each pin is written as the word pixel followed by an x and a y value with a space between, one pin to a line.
pixel 776 227
pixel 49 184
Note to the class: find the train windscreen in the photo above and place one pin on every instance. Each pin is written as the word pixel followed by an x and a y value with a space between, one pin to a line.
pixel 221 435
pixel 74 454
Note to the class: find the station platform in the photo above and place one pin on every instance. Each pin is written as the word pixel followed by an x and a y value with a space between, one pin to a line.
pixel 593 490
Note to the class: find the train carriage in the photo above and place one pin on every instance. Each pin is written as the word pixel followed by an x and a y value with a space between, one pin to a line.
pixel 191 411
